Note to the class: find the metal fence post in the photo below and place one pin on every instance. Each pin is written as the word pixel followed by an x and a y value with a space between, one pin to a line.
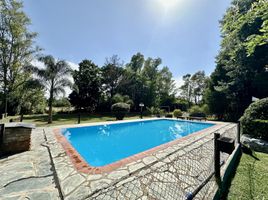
pixel 217 165
pixel 238 131
pixel 79 115
pixel 2 129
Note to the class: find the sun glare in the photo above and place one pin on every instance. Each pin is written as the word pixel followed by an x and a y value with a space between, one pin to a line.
pixel 168 4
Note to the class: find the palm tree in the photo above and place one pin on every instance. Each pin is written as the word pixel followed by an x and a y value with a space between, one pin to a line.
pixel 54 77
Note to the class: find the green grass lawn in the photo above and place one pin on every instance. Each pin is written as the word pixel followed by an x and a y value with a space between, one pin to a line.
pixel 61 119
pixel 251 178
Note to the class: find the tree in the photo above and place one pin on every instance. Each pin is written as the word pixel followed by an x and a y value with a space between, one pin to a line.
pixel 166 88
pixel 131 83
pixel 16 48
pixel 186 88
pixel 54 78
pixel 199 83
pixel 112 74
pixel 149 78
pixel 136 63
pixel 62 102
pixel 87 86
pixel 32 98
pixel 242 61
pixel 258 11
pixel 144 81
pixel 118 98
pixel 194 87
pixel 182 104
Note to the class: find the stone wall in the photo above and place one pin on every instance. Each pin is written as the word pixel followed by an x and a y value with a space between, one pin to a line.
pixel 16 137
pixel 254 143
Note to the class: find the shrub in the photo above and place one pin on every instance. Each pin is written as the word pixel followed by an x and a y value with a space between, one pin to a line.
pixel 182 104
pixel 120 110
pixel 254 121
pixel 177 113
pixel 150 110
pixel 162 112
pixel 169 115
pixel 154 110
pixel 205 109
pixel 259 129
pixel 62 102
pixel 196 111
pixel 118 98
pixel 145 112
pixel 257 110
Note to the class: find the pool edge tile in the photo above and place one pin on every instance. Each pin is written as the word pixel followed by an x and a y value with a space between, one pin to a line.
pixel 82 166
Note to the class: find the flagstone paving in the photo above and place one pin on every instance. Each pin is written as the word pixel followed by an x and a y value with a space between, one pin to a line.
pixel 29 175
pixel 144 178
pixel 47 172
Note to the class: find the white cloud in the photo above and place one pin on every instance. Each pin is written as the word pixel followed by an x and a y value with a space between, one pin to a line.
pixel 73 65
pixel 37 63
pixel 178 81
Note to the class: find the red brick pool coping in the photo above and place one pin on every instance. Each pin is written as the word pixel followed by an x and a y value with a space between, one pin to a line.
pixel 82 166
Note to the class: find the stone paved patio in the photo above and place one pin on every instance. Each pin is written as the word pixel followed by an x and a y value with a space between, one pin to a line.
pixel 37 176
pixel 29 175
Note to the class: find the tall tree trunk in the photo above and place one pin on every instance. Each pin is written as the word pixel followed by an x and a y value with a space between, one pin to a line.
pixel 50 101
pixel 5 104
pixel 111 97
pixel 21 117
pixel 5 89
pixel 21 113
pixel 79 115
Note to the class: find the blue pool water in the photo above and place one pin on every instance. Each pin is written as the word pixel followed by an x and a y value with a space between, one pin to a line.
pixel 105 144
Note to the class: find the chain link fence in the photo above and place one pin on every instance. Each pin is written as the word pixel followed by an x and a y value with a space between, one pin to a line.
pixel 185 174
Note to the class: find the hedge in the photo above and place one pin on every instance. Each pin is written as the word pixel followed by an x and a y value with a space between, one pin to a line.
pixel 177 113
pixel 120 110
pixel 257 128
pixel 254 122
pixel 196 111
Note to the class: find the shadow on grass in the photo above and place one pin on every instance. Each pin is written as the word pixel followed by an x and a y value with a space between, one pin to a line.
pixel 250 169
pixel 248 151
pixel 227 185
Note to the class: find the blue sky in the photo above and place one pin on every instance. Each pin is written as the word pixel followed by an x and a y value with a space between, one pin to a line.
pixel 184 33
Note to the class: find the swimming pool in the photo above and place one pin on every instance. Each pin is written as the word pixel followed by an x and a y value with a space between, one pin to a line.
pixel 101 145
